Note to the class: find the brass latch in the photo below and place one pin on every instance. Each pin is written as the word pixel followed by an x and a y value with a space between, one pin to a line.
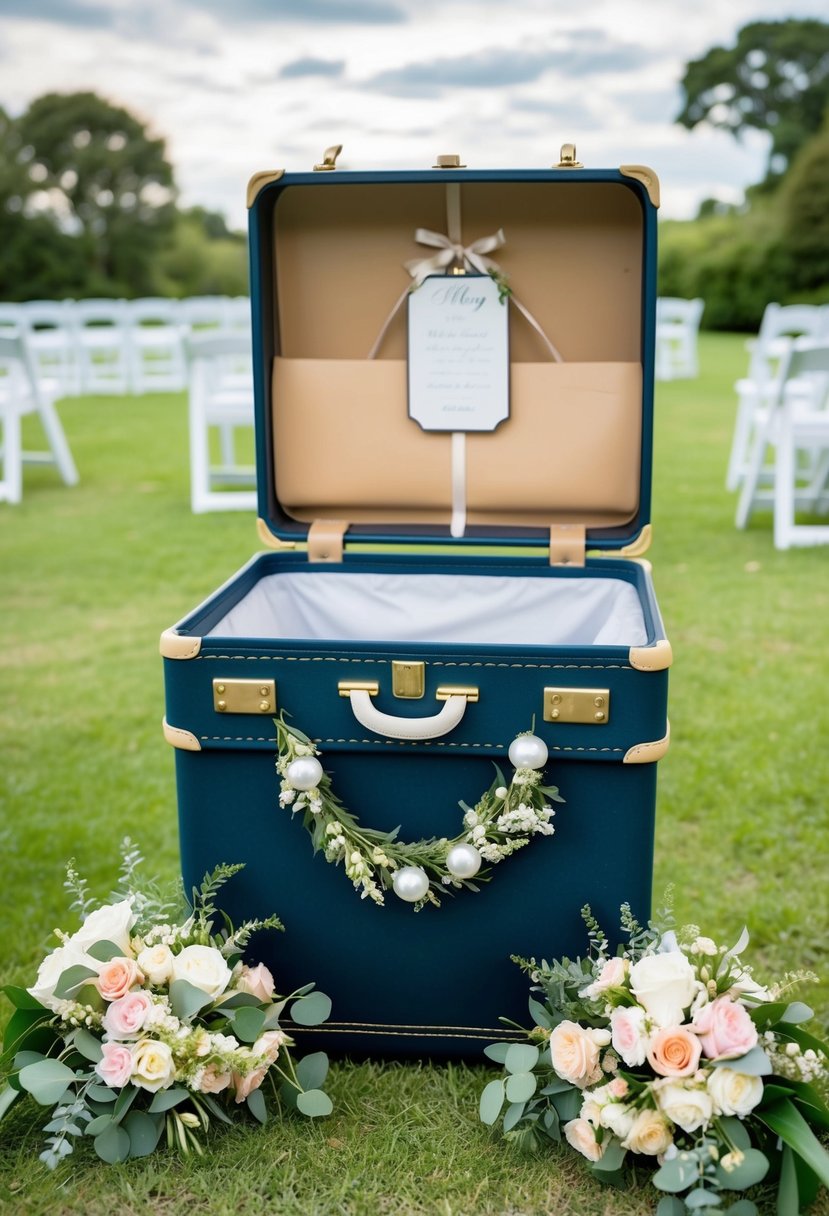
pixel 445 691
pixel 408 680
pixel 329 159
pixel 346 687
pixel 568 158
pixel 244 696
pixel 589 706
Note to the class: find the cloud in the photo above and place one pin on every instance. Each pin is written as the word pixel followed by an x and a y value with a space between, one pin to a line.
pixel 650 105
pixel 62 12
pixel 332 12
pixel 309 66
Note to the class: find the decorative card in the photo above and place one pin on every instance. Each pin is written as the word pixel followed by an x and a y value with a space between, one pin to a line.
pixel 458 353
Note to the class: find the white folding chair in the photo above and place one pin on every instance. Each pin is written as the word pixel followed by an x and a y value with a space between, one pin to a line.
pixel 11 318
pixel 101 339
pixel 779 325
pixel 200 313
pixel 220 396
pixel 236 314
pixel 21 394
pixel 155 346
pixel 677 332
pixel 802 429
pixel 49 330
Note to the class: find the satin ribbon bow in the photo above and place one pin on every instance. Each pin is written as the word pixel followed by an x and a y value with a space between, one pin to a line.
pixel 473 255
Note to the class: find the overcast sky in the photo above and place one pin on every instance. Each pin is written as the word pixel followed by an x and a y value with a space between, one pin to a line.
pixel 253 84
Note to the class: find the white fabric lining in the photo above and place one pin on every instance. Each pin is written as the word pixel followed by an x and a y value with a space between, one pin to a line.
pixel 451 608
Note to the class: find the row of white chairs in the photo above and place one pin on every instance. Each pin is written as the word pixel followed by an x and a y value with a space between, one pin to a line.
pixel 779 456
pixel 114 347
pixel 677 335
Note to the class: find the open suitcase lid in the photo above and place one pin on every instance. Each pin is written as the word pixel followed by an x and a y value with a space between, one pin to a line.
pixel 338 455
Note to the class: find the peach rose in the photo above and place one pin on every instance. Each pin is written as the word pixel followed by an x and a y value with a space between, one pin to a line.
pixel 258 981
pixel 629 1034
pixel 246 1085
pixel 115 1066
pixel 725 1029
pixel 126 1017
pixel 117 977
pixel 574 1052
pixel 580 1134
pixel 674 1052
pixel 213 1081
pixel 269 1043
pixel 612 975
pixel 618 1088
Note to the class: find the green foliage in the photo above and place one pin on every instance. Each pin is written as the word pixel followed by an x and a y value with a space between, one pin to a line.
pixel 203 257
pixel 773 79
pixel 804 202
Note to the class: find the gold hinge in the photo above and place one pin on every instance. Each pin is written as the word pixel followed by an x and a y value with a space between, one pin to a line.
pixel 329 159
pixel 583 705
pixel 244 696
pixel 567 159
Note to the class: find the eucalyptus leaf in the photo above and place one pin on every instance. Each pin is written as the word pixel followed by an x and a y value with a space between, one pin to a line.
pixel 46 1080
pixel 143 1131
pixel 124 1101
pixel 186 1000
pixel 90 996
pixel 101 1093
pixel 675 1175
pixel 797 1012
pixel 256 1105
pixel 744 1207
pixel 166 1099
pixel 87 1045
pixel 556 1086
pixel 754 1063
pixel 520 1086
pixel 71 979
pixel 113 1144
pixel 214 1108
pixel 492 1099
pixel 8 1097
pixel 568 1104
pixel 539 1014
pixel 314 1103
pixel 289 1094
pixel 238 1001
pixel 99 1124
pixel 248 1024
pixel 735 1131
pixel 311 1010
pixel 497 1052
pixel 702 1198
pixel 521 1057
pixel 612 1158
pixel 103 951
pixel 312 1070
pixel 551 1125
pixel 751 1169
pixel 513 1114
pixel 669 1205
pixel 27 1057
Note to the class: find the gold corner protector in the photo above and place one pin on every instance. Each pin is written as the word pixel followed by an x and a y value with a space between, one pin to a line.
pixel 184 740
pixel 178 645
pixel 259 181
pixel 649 753
pixel 269 540
pixel 652 658
pixel 646 176
pixel 640 546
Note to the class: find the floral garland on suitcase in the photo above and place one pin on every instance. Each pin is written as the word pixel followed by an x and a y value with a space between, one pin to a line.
pixel 503 820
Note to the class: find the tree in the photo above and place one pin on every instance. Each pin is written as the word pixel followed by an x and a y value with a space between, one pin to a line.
pixel 775 79
pixel 805 208
pixel 95 168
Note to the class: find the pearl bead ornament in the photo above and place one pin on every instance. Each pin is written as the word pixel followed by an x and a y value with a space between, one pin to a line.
pixel 528 751
pixel 304 773
pixel 410 883
pixel 463 861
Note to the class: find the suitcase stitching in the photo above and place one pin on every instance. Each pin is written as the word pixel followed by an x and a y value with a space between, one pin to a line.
pixel 392 743
pixel 288 658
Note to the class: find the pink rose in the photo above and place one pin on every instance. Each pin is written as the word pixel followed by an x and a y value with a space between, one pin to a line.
pixel 213 1081
pixel 612 975
pixel 125 1018
pixel 629 1035
pixel 117 977
pixel 618 1088
pixel 269 1043
pixel 115 1066
pixel 258 981
pixel 674 1052
pixel 246 1085
pixel 725 1029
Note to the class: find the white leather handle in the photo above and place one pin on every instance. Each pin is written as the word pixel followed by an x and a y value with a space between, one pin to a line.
pixel 406 728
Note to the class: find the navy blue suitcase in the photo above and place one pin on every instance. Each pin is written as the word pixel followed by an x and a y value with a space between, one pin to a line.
pixel 374 603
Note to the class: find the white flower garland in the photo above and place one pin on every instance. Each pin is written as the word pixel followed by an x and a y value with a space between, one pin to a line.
pixel 501 822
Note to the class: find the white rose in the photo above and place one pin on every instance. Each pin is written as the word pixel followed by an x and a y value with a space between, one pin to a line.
pixel 152 1065
pixel 590 1110
pixel 734 1093
pixel 629 1034
pixel 704 945
pixel 111 923
pixel 618 1118
pixel 204 968
pixel 157 963
pixel 580 1134
pixel 53 967
pixel 650 1134
pixel 688 1108
pixel 665 985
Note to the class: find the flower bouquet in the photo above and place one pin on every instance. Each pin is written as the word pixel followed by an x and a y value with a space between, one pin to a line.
pixel 144 1021
pixel 669 1050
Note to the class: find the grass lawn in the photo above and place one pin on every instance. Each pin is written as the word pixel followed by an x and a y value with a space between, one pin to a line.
pixel 90 577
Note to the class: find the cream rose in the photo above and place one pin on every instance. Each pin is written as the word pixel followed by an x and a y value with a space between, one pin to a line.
pixel 213 1081
pixel 650 1134
pixel 674 1052
pixel 664 984
pixel 53 967
pixel 734 1093
pixel 629 1034
pixel 580 1134
pixel 574 1052
pixel 111 923
pixel 612 975
pixel 618 1118
pixel 157 964
pixel 204 968
pixel 258 981
pixel 690 1108
pixel 152 1065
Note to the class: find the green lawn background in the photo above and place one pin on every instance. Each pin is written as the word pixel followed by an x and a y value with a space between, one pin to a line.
pixel 90 577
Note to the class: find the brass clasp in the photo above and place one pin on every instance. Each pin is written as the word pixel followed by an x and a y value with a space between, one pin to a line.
pixel 587 706
pixel 329 159
pixel 568 158
pixel 244 696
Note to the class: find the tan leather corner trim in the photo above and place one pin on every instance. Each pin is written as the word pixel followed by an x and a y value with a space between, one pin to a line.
pixel 269 540
pixel 640 546
pixel 652 658
pixel 646 176
pixel 325 540
pixel 183 739
pixel 259 181
pixel 648 753
pixel 178 645
pixel 644 563
pixel 567 544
